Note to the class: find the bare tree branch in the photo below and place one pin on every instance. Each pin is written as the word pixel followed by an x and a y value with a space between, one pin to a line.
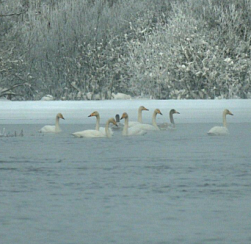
pixel 13 14
pixel 12 87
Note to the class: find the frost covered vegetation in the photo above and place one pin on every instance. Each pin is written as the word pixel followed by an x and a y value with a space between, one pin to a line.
pixel 89 49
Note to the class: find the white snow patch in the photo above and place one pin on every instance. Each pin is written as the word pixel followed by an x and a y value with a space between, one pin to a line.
pixel 121 96
pixel 76 112
pixel 47 98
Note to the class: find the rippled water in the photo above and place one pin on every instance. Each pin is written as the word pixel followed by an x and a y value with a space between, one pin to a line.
pixel 165 187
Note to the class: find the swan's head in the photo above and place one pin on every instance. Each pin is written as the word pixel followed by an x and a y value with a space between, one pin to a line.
pixel 226 111
pixel 173 111
pixel 95 113
pixel 141 108
pixel 157 111
pixel 60 116
pixel 112 121
pixel 124 116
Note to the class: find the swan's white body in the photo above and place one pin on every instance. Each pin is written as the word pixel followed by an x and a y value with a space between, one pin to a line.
pixel 53 128
pixel 170 126
pixel 220 130
pixel 132 131
pixel 133 123
pixel 149 127
pixel 96 133
pixel 89 133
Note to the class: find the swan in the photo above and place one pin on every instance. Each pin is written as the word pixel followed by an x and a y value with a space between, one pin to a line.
pixel 96 133
pixel 220 130
pixel 132 130
pixel 154 125
pixel 53 128
pixel 102 129
pixel 119 124
pixel 117 119
pixel 165 126
pixel 140 109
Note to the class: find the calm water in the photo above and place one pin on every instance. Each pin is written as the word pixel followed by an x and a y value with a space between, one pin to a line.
pixel 164 187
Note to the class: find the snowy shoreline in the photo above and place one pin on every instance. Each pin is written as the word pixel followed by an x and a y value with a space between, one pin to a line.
pixel 76 112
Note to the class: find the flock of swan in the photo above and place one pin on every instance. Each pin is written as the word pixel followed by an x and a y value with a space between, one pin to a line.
pixel 131 128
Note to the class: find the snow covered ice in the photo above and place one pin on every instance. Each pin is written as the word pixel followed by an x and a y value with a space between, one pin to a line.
pixel 192 111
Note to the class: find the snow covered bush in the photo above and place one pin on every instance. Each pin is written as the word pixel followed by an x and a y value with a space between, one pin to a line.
pixel 86 49
pixel 186 59
pixel 82 42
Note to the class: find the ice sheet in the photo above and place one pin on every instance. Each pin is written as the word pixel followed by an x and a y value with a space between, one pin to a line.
pixel 76 112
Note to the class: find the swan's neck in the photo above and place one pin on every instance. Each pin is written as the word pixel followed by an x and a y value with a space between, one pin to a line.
pixel 154 120
pixel 125 129
pixel 225 119
pixel 57 127
pixel 171 119
pixel 140 116
pixel 97 122
pixel 107 131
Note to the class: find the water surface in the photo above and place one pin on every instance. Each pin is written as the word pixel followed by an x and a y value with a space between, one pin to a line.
pixel 165 187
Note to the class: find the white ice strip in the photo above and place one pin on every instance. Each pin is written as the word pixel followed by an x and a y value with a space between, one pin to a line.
pixel 76 112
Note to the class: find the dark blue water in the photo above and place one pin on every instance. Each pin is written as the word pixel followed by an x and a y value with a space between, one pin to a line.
pixel 164 187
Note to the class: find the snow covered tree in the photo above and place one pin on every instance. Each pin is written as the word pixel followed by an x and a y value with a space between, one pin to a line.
pixel 185 58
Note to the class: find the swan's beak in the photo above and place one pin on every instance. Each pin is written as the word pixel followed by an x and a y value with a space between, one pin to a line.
pixel 123 116
pixel 160 113
pixel 146 109
pixel 231 114
pixel 63 118
pixel 177 112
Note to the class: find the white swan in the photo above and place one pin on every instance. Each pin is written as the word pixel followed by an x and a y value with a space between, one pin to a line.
pixel 140 109
pixel 102 129
pixel 170 125
pixel 132 130
pixel 220 130
pixel 53 128
pixel 96 133
pixel 154 125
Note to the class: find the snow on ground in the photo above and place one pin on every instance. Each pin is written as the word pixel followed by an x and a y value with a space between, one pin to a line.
pixel 76 112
